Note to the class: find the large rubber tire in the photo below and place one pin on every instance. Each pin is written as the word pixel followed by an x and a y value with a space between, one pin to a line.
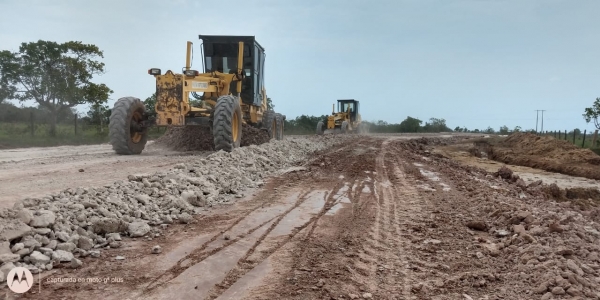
pixel 344 127
pixel 227 124
pixel 279 123
pixel 320 128
pixel 270 123
pixel 122 139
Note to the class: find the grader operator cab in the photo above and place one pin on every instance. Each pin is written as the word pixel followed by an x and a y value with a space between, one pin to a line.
pixel 232 93
pixel 346 120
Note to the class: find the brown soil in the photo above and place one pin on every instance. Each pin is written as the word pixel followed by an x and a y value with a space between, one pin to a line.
pixel 356 223
pixel 196 138
pixel 543 152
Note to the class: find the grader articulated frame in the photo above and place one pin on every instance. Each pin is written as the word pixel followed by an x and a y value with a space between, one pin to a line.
pixel 233 90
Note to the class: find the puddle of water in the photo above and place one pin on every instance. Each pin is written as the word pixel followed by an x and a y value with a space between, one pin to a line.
pixel 430 175
pixel 445 187
pixel 300 215
pixel 426 187
pixel 459 153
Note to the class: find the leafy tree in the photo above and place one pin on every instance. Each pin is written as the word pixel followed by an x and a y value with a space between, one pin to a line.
pixel 7 90
pixel 271 106
pixel 56 76
pixel 517 129
pixel 489 130
pixel 149 103
pixel 99 114
pixel 503 129
pixel 592 113
pixel 410 124
pixel 436 125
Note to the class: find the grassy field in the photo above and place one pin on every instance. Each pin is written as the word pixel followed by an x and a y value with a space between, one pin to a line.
pixel 20 135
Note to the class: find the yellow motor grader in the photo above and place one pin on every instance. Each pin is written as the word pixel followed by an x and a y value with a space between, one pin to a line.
pixel 346 120
pixel 233 93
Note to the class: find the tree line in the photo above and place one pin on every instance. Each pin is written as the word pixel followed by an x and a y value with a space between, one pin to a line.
pixel 307 124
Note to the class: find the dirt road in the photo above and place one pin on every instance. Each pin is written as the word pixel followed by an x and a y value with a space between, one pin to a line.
pixel 37 172
pixel 372 218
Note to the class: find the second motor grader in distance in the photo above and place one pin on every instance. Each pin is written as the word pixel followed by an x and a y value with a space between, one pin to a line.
pixel 346 120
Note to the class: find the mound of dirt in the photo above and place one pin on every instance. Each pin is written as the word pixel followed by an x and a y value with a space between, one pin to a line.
pixel 549 147
pixel 543 152
pixel 194 138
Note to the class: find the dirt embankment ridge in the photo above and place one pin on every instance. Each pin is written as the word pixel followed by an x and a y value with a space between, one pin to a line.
pixel 543 152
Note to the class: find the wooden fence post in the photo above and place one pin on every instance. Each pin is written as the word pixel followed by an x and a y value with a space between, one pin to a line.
pixel 574 134
pixel 595 138
pixel 565 134
pixel 32 122
pixel 583 143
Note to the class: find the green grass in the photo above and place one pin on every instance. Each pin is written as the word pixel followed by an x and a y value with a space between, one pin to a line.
pixel 19 135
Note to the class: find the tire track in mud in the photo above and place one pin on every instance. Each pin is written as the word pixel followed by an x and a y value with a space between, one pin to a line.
pixel 244 266
pixel 398 203
pixel 198 255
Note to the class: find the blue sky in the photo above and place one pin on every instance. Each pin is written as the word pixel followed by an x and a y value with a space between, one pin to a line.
pixel 475 63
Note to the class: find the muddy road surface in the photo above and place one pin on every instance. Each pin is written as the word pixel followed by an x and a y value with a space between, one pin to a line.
pixel 365 218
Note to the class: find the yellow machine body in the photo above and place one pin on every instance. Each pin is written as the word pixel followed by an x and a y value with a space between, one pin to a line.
pixel 173 93
pixel 348 112
pixel 232 91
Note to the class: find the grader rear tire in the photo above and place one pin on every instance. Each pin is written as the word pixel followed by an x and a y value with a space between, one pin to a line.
pixel 123 139
pixel 227 124
pixel 279 122
pixel 320 129
pixel 270 123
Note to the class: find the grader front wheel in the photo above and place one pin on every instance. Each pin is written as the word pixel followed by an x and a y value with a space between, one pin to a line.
pixel 227 124
pixel 126 134
pixel 270 123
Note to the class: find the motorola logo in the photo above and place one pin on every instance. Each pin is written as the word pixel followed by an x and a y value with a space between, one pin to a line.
pixel 19 280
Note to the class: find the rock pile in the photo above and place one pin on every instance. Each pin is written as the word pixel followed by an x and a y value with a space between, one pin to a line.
pixel 39 233
pixel 195 138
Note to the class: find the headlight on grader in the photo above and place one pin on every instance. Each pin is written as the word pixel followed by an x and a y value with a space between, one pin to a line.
pixel 191 73
pixel 154 71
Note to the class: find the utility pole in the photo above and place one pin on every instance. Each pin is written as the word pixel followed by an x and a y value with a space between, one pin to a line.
pixel 543 120
pixel 537 116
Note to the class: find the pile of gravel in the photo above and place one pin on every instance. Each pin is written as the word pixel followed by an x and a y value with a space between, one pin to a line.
pixel 39 233
pixel 196 138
